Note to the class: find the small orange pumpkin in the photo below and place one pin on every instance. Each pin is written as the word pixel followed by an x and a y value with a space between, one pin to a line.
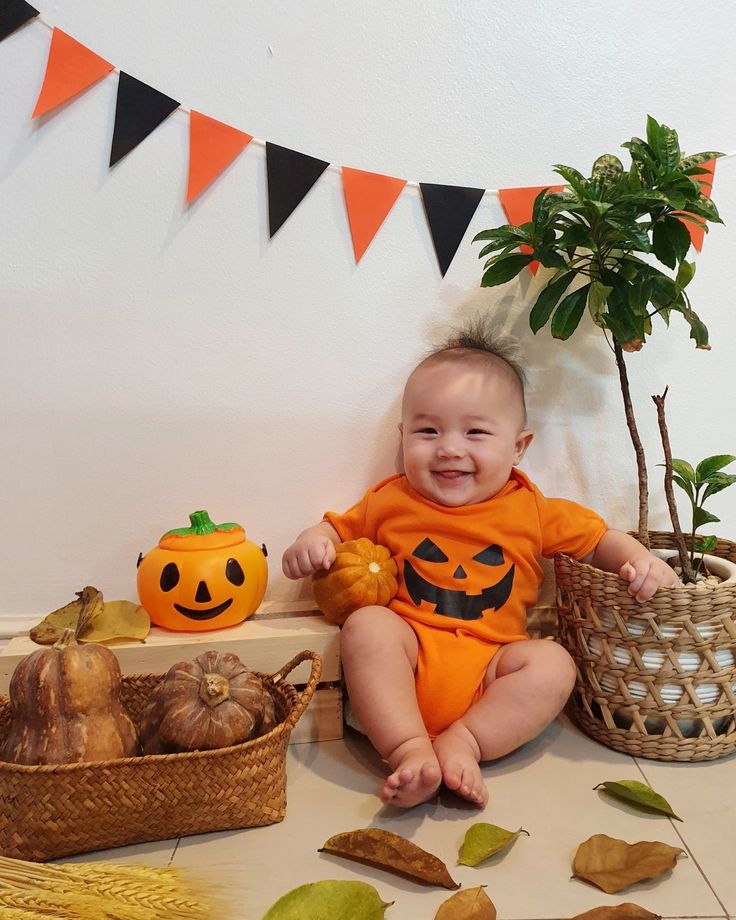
pixel 202 577
pixel 362 574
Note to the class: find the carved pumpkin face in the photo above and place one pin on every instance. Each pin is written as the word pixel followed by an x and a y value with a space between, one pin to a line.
pixel 466 593
pixel 202 577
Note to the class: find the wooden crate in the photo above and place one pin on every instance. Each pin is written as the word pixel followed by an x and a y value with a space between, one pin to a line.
pixel 265 642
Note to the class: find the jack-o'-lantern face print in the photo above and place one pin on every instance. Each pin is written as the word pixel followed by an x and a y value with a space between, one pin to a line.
pixel 473 594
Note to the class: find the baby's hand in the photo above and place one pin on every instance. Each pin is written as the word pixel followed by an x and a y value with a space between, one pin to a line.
pixel 307 555
pixel 645 574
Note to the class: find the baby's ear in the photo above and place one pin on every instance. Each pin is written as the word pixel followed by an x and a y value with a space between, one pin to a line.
pixel 522 442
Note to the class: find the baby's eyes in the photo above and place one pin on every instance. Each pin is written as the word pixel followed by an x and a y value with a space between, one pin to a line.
pixel 426 431
pixel 478 431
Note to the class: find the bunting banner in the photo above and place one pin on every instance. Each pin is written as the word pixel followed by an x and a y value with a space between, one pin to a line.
pixel 697 232
pixel 13 15
pixel 212 147
pixel 70 69
pixel 290 176
pixel 449 210
pixel 140 110
pixel 368 198
pixel 518 206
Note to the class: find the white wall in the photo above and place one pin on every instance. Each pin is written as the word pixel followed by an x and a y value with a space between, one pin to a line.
pixel 157 360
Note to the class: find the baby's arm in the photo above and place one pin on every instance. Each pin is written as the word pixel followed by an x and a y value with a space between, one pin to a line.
pixel 312 550
pixel 621 553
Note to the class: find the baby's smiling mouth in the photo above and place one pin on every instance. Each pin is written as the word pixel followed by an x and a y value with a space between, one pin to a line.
pixel 451 475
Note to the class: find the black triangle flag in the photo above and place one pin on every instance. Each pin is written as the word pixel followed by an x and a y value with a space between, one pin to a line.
pixel 449 210
pixel 14 14
pixel 290 176
pixel 140 109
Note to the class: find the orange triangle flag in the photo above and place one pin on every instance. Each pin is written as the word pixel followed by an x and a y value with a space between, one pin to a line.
pixel 70 69
pixel 212 146
pixel 368 199
pixel 518 203
pixel 697 234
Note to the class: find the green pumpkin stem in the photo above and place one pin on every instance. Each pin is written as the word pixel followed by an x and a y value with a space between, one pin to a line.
pixel 201 525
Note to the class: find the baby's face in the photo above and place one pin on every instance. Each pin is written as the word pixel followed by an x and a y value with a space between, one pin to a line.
pixel 462 429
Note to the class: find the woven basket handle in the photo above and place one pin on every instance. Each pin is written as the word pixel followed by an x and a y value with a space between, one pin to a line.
pixel 305 696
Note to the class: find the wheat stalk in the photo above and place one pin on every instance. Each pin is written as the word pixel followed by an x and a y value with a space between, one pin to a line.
pixel 99 891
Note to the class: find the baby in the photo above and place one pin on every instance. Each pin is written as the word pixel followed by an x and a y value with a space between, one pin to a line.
pixel 446 676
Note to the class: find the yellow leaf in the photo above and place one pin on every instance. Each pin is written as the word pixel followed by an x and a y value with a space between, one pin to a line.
pixel 385 850
pixel 119 620
pixel 613 865
pixel 52 627
pixel 471 904
pixel 639 795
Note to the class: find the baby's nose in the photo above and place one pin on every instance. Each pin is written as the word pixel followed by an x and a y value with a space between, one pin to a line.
pixel 450 447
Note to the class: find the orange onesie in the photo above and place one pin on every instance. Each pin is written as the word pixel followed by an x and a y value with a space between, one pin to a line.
pixel 467 575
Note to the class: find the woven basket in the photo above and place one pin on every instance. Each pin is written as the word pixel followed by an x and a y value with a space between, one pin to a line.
pixel 57 810
pixel 655 680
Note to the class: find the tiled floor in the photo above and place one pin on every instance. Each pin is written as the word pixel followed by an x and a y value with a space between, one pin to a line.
pixel 546 787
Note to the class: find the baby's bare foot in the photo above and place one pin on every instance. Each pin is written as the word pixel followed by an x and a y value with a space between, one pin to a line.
pixel 457 754
pixel 416 774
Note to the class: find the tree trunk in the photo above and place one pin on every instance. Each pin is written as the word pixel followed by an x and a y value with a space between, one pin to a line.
pixel 641 464
pixel 687 570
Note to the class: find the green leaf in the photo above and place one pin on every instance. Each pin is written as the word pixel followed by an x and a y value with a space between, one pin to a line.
pixel 569 313
pixel 684 469
pixel 685 274
pixel 701 516
pixel 717 482
pixel 547 301
pixel 607 169
pixel 669 147
pixel 597 297
pixel 712 464
pixel 639 795
pixel 575 234
pixel 507 233
pixel 329 899
pixel 670 241
pixel 704 207
pixel 695 159
pixel 575 179
pixel 483 840
pixel 505 269
pixel 686 486
pixel 705 544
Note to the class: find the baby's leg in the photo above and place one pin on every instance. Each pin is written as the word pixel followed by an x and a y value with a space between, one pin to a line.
pixel 526 686
pixel 379 657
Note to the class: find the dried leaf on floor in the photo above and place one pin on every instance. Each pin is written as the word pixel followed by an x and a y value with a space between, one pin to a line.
pixel 330 898
pixel 93 620
pixel 484 840
pixel 471 904
pixel 639 795
pixel 385 850
pixel 626 911
pixel 613 865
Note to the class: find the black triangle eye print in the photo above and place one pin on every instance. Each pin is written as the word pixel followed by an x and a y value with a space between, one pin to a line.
pixel 429 551
pixel 451 602
pixel 491 555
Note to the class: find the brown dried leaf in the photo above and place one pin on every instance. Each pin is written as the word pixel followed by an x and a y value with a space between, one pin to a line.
pixel 613 865
pixel 93 620
pixel 52 627
pixel 471 904
pixel 384 850
pixel 626 911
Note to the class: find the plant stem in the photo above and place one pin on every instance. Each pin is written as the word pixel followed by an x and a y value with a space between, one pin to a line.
pixel 687 570
pixel 641 463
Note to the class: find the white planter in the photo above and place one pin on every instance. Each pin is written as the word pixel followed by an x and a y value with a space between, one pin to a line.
pixel 724 569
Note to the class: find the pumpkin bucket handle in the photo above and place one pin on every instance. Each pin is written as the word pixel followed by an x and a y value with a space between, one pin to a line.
pixel 305 696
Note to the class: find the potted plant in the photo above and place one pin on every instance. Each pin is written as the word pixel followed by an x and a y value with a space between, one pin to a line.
pixel 610 239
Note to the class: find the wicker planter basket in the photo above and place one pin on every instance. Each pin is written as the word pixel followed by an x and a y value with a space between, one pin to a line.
pixel 655 680
pixel 51 811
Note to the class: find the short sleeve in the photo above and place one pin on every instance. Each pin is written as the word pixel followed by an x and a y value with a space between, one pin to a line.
pixel 352 524
pixel 568 527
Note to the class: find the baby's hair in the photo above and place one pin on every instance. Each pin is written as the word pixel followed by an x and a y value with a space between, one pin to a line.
pixel 478 341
